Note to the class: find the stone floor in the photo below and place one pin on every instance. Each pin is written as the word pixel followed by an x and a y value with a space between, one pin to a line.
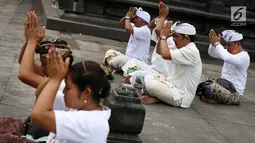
pixel 163 124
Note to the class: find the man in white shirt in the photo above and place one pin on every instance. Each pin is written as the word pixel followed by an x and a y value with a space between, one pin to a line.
pixel 234 71
pixel 179 88
pixel 139 41
pixel 159 68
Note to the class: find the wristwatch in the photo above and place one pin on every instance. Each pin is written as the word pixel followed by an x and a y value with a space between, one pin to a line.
pixel 162 37
pixel 216 44
pixel 127 17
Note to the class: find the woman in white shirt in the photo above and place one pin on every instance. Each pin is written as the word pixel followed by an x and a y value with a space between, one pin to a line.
pixel 86 120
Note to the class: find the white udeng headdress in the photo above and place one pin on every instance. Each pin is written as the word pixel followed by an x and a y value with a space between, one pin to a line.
pixel 231 36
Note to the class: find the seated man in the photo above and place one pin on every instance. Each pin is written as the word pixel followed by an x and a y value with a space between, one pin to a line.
pixel 135 71
pixel 179 88
pixel 230 87
pixel 139 41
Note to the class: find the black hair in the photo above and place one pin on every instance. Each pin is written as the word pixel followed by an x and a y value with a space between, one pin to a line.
pixel 191 37
pixel 241 42
pixel 89 73
pixel 145 22
pixel 71 60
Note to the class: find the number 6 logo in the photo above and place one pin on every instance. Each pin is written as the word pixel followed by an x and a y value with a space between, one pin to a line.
pixel 237 15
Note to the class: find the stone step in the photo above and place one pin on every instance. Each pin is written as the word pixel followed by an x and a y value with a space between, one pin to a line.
pixel 101 20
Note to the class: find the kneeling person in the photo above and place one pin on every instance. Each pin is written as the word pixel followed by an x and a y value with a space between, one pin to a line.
pixel 139 41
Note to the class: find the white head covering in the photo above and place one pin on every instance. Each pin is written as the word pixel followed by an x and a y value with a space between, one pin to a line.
pixel 231 36
pixel 143 14
pixel 184 28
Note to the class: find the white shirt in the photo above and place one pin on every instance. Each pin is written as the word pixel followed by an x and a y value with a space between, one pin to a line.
pixel 59 102
pixel 81 126
pixel 139 43
pixel 78 126
pixel 235 66
pixel 186 73
pixel 158 63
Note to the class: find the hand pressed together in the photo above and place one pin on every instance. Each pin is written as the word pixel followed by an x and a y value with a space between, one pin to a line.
pixel 56 68
pixel 214 37
pixel 166 30
pixel 32 31
pixel 25 30
pixel 163 10
pixel 132 11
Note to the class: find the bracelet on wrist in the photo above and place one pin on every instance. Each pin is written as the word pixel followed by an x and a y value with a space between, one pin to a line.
pixel 216 44
pixel 127 17
pixel 163 37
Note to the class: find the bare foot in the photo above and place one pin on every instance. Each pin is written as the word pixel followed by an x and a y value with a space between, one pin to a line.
pixel 149 99
pixel 127 80
pixel 208 100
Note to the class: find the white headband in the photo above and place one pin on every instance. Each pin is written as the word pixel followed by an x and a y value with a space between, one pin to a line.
pixel 143 14
pixel 184 28
pixel 231 36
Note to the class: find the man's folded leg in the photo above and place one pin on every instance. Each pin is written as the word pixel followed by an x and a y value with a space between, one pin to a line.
pixel 164 92
pixel 119 61
pixel 109 55
pixel 223 95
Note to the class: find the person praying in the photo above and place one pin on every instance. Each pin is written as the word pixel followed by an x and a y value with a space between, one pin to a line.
pixel 231 85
